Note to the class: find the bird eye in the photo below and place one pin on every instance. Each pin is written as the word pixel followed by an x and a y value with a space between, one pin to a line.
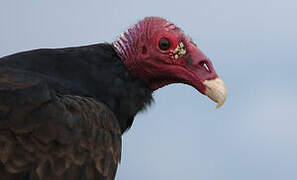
pixel 164 44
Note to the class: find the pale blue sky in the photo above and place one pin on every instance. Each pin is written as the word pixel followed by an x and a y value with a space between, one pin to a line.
pixel 253 45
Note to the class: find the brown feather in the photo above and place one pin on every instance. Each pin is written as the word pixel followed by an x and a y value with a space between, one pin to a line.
pixel 49 135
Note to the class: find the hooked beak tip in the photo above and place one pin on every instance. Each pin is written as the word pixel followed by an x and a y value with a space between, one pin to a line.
pixel 216 91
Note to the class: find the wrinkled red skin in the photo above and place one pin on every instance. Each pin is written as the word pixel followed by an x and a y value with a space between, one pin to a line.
pixel 141 54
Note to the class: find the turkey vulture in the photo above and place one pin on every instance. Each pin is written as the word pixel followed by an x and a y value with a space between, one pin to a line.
pixel 63 111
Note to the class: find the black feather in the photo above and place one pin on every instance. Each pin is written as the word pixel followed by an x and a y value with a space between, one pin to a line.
pixel 62 112
pixel 92 71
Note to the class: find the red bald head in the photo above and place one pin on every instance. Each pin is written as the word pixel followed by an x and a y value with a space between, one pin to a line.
pixel 159 53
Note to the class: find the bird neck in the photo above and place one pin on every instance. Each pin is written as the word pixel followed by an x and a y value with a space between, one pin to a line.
pixel 126 95
pixel 126 45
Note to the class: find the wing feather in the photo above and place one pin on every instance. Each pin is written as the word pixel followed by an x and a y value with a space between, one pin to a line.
pixel 47 134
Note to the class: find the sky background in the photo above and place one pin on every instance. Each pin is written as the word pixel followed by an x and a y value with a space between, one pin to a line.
pixel 253 46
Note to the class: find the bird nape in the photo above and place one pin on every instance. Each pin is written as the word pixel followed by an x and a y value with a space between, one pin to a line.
pixel 63 111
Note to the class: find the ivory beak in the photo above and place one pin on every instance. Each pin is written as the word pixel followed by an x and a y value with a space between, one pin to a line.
pixel 216 91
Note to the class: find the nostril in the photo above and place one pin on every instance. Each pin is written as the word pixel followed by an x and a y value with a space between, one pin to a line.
pixel 205 66
pixel 144 50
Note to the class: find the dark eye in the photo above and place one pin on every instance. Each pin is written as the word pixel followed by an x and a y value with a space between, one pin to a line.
pixel 164 44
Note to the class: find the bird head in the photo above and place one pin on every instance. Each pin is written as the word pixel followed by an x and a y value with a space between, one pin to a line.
pixel 159 53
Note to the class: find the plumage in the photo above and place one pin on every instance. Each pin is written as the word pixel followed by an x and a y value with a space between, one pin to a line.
pixel 63 111
pixel 56 122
